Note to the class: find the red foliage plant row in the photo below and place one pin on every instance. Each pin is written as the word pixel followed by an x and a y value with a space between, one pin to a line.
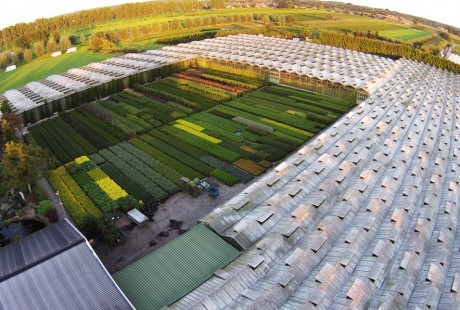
pixel 210 83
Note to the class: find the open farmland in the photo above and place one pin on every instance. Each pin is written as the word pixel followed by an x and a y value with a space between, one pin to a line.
pixel 404 34
pixel 197 123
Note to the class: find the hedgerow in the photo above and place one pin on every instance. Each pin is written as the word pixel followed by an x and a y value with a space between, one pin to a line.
pixel 249 166
pixel 178 144
pixel 197 133
pixel 171 174
pixel 224 177
pixel 132 188
pixel 161 181
pixel 112 189
pixel 134 175
pixel 241 175
pixel 73 197
pixel 184 158
pixel 190 124
pixel 169 161
pixel 93 138
pixel 103 125
pixel 211 148
pixel 254 126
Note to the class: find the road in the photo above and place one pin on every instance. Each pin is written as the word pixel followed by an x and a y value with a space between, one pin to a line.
pixel 55 200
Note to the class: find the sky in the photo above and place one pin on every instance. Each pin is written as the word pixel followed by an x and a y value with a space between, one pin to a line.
pixel 15 11
pixel 444 11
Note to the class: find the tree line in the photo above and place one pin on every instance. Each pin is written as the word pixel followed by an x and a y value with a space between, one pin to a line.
pixel 177 30
pixel 26 34
pixel 39 48
pixel 173 31
pixel 383 48
pixel 333 5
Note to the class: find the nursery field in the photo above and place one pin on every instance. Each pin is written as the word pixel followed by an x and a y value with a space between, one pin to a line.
pixel 196 123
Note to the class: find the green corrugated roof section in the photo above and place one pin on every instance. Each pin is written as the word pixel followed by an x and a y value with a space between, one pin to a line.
pixel 167 274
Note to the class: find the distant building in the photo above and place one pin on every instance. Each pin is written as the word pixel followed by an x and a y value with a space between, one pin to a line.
pixel 71 50
pixel 56 54
pixel 56 268
pixel 10 68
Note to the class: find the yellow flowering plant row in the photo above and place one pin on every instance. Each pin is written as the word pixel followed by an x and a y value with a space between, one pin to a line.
pixel 82 159
pixel 303 132
pixel 198 133
pixel 112 189
pixel 248 149
pixel 190 124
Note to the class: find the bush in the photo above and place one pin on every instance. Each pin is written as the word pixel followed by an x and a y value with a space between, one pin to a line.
pixel 44 207
pixel 224 177
pixel 249 166
pixel 253 126
pixel 72 167
pixel 97 159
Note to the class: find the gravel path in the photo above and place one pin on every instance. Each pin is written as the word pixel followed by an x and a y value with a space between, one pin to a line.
pixel 62 213
pixel 141 240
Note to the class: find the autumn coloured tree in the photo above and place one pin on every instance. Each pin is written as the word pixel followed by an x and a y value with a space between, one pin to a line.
pixel 82 39
pixel 22 165
pixel 64 43
pixel 28 55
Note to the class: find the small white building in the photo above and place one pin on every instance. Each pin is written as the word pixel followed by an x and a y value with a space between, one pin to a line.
pixel 137 217
pixel 10 68
pixel 71 50
pixel 56 54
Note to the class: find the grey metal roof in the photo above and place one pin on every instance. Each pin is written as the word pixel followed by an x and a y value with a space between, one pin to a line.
pixel 365 215
pixel 55 268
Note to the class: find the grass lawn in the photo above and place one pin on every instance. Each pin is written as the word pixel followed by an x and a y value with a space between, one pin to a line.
pixel 407 34
pixel 349 24
pixel 45 66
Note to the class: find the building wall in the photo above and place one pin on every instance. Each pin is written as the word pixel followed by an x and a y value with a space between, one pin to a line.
pixel 284 78
pixel 100 91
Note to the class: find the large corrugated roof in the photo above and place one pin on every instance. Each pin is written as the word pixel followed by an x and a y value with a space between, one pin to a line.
pixel 36 248
pixel 363 216
pixel 175 269
pixel 55 268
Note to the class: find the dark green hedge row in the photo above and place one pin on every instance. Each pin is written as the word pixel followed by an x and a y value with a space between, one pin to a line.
pixel 211 148
pixel 165 159
pixel 155 164
pixel 104 125
pixel 92 137
pixel 104 130
pixel 72 134
pixel 45 139
pixel 151 90
pixel 224 177
pixel 229 168
pixel 161 181
pixel 135 176
pixel 241 78
pixel 184 158
pixel 126 183
pixel 178 144
pixel 275 115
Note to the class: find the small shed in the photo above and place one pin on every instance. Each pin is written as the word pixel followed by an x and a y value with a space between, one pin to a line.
pixel 138 217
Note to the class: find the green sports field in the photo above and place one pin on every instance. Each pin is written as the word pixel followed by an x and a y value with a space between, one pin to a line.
pixel 404 34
